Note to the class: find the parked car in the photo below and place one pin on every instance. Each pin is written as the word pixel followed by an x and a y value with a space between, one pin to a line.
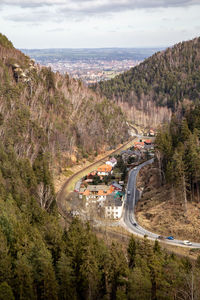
pixel 188 243
pixel 129 192
pixel 170 237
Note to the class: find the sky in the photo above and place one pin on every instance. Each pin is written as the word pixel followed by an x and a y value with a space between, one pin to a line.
pixel 37 24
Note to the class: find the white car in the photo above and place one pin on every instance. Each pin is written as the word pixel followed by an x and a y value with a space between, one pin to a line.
pixel 188 243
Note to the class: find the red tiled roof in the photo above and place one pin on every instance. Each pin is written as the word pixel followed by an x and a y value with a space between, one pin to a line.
pixel 104 168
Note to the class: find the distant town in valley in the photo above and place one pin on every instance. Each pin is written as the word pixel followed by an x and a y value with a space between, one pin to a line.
pixel 91 65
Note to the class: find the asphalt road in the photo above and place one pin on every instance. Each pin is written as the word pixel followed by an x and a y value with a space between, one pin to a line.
pixel 129 215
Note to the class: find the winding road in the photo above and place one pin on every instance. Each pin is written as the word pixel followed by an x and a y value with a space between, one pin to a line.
pixel 129 215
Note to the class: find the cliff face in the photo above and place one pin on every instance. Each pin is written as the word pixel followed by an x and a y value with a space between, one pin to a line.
pixel 150 92
pixel 42 109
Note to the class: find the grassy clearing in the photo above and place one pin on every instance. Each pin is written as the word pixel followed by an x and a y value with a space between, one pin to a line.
pixel 68 172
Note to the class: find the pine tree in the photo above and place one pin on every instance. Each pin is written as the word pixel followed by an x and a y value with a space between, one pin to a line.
pixel 180 175
pixel 6 292
pixel 131 252
pixel 185 132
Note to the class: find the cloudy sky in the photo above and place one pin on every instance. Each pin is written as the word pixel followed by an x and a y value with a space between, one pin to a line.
pixel 99 23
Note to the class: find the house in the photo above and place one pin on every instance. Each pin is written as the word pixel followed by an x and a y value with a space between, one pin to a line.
pixel 97 191
pixel 112 162
pixel 151 132
pixel 113 207
pixel 97 194
pixel 139 145
pixel 148 145
pixel 148 142
pixel 91 175
pixel 116 186
pixel 104 170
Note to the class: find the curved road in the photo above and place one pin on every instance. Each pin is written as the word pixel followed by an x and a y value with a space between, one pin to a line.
pixel 129 207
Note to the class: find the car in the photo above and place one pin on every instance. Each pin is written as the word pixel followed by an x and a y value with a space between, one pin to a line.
pixel 129 192
pixel 170 237
pixel 187 243
pixel 135 224
pixel 161 237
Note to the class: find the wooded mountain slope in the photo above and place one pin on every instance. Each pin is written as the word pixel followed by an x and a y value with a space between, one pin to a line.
pixel 39 108
pixel 179 155
pixel 39 259
pixel 159 84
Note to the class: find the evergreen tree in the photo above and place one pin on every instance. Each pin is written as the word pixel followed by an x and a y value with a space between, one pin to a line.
pixel 6 292
pixel 131 252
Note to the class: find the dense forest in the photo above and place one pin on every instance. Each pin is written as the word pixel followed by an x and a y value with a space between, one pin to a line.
pixel 162 82
pixel 179 153
pixel 39 260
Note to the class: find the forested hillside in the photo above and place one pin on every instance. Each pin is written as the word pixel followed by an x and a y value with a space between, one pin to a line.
pixel 159 85
pixel 179 154
pixel 41 109
pixel 41 261
pixel 45 120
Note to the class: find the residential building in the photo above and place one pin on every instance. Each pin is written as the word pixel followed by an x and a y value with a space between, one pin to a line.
pixel 112 162
pixel 96 191
pixel 113 207
pixel 104 170
pixel 139 145
pixel 148 142
pixel 116 186
pixel 151 132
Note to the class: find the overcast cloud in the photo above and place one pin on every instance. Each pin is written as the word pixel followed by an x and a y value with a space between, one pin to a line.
pixel 98 6
pixel 99 23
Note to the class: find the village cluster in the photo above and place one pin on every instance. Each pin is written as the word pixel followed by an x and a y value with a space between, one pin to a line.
pixel 104 190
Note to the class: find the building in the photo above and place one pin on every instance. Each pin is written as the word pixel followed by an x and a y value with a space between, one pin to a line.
pixel 95 192
pixel 116 186
pixel 112 162
pixel 78 186
pixel 91 175
pixel 104 170
pixel 148 142
pixel 113 207
pixel 151 132
pixel 139 145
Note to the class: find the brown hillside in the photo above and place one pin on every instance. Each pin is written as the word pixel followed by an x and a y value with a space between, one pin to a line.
pixel 42 109
pixel 158 212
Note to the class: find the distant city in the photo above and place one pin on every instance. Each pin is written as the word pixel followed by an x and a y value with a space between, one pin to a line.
pixel 91 65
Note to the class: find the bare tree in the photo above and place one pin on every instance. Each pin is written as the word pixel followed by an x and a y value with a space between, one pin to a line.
pixel 44 195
